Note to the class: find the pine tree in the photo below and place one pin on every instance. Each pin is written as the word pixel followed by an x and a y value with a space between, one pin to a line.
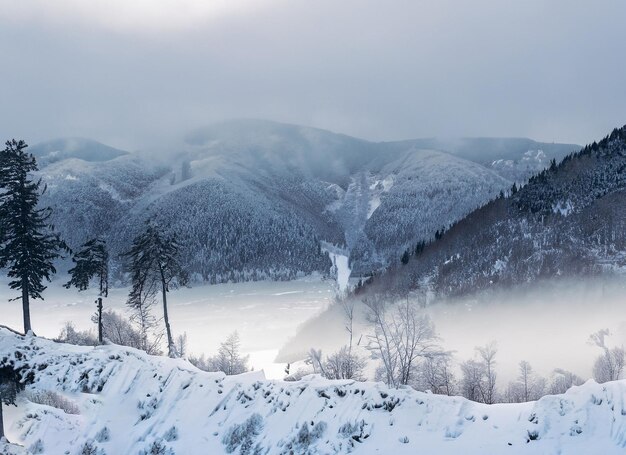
pixel 154 263
pixel 92 261
pixel 405 257
pixel 9 387
pixel 28 244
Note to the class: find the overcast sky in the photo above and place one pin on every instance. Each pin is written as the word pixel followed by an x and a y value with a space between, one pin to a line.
pixel 138 73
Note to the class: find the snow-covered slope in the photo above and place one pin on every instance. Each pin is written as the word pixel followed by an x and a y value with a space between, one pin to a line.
pixel 516 159
pixel 124 401
pixel 566 221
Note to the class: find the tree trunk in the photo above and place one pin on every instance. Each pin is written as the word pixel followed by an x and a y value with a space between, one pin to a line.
pixel 168 331
pixel 100 320
pixel 1 421
pixel 25 305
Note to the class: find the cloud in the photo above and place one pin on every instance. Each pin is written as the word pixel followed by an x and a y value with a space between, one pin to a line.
pixel 141 74
pixel 136 16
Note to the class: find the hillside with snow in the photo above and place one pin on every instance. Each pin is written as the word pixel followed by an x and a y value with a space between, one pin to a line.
pixel 255 199
pixel 112 400
pixel 567 221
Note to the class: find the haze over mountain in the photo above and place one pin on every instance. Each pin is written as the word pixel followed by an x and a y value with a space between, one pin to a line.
pixel 253 199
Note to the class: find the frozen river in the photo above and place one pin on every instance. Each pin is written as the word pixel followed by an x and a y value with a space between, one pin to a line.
pixel 266 314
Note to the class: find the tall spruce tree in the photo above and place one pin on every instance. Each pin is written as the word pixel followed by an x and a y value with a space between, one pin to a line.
pixel 28 243
pixel 154 265
pixel 92 260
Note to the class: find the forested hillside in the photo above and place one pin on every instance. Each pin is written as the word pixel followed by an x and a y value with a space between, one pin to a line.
pixel 568 220
pixel 255 199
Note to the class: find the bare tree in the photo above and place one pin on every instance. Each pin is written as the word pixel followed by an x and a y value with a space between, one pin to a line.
pixel 401 337
pixel 180 345
pixel 479 375
pixel 436 375
pixel 348 311
pixel 472 375
pixel 315 360
pixel 381 342
pixel 344 365
pixel 562 380
pixel 228 359
pixel 487 354
pixel 525 378
pixel 610 364
pixel 528 386
pixel 229 356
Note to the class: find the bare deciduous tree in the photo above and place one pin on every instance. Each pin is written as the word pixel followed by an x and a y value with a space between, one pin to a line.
pixel 562 380
pixel 487 354
pixel 528 386
pixel 228 359
pixel 401 337
pixel 610 364
pixel 436 375
pixel 479 375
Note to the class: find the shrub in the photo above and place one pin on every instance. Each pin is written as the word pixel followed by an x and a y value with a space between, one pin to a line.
pixel 53 399
pixel 243 435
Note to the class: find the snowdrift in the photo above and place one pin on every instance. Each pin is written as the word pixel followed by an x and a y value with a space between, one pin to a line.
pixel 115 400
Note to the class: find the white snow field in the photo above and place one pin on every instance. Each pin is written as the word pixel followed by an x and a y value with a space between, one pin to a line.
pixel 265 314
pixel 127 402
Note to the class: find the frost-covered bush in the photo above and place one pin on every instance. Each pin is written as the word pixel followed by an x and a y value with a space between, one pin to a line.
pixel 171 434
pixel 89 448
pixel 562 380
pixel 299 374
pixel 36 447
pixel 228 359
pixel 306 437
pixel 115 328
pixel 243 435
pixel 53 399
pixel 345 364
pixel 69 334
pixel 356 431
pixel 158 447
pixel 103 435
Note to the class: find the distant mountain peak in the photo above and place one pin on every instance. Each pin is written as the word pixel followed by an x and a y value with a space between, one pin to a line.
pixel 84 149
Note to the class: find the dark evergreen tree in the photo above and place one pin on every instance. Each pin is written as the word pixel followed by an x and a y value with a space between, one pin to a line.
pixel 28 243
pixel 92 261
pixel 405 257
pixel 154 264
pixel 9 387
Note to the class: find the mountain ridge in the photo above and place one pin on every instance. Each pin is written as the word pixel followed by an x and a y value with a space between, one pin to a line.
pixel 313 186
pixel 548 228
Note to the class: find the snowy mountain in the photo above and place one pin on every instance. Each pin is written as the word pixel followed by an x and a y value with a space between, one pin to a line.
pixel 515 159
pixel 569 220
pixel 254 199
pixel 81 148
pixel 112 400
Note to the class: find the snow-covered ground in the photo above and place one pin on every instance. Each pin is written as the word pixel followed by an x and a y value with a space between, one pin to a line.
pixel 126 402
pixel 265 314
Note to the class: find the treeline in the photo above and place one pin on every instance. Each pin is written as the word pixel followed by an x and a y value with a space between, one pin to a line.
pixel 403 344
